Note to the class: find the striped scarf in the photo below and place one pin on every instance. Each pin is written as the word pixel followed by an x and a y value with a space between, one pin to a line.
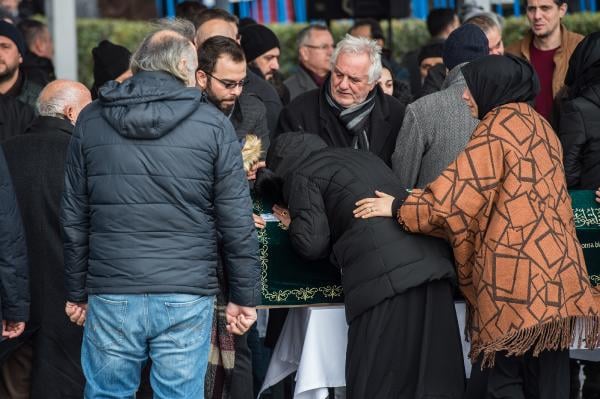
pixel 354 118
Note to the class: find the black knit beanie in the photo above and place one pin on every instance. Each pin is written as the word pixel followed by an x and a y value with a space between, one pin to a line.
pixel 11 31
pixel 110 61
pixel 465 44
pixel 429 51
pixel 257 40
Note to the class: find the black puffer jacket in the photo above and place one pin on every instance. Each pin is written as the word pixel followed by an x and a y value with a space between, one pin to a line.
pixel 579 133
pixel 14 269
pixel 377 258
pixel 152 177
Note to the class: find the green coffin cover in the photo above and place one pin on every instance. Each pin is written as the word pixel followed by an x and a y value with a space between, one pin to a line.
pixel 586 213
pixel 287 280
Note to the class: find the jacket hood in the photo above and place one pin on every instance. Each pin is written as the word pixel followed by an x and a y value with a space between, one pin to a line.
pixel 148 105
pixel 285 155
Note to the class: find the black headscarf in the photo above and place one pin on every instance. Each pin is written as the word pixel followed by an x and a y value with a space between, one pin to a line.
pixel 584 65
pixel 496 80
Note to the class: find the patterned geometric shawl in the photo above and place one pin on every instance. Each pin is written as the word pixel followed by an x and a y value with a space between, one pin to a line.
pixel 504 207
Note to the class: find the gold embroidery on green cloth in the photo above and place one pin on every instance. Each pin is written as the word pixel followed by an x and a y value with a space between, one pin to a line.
pixel 281 296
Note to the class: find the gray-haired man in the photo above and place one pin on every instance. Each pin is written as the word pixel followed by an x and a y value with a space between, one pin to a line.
pixel 153 177
pixel 350 110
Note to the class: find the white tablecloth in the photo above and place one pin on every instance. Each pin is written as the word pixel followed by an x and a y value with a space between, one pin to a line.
pixel 313 343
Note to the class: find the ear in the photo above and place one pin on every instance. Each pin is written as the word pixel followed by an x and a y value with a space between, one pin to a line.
pixel 303 53
pixel 562 9
pixel 69 112
pixel 201 79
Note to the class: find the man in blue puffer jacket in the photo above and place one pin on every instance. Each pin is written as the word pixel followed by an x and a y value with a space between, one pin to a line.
pixel 153 176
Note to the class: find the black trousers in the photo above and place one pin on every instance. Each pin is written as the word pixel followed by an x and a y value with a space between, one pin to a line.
pixel 407 347
pixel 522 377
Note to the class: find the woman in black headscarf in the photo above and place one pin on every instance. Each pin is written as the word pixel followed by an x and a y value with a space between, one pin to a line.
pixel 504 208
pixel 579 125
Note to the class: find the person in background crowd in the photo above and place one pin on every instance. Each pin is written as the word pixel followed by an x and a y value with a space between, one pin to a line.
pixel 490 25
pixel 37 62
pixel 13 81
pixel 12 8
pixel 189 10
pixel 393 87
pixel 350 110
pixel 504 208
pixel 397 286
pixel 315 46
pixel 548 46
pixel 440 23
pixel 46 363
pixel 371 29
pixel 15 116
pixel 261 47
pixel 111 62
pixel 217 22
pixel 579 134
pixel 113 281
pixel 432 68
pixel 437 127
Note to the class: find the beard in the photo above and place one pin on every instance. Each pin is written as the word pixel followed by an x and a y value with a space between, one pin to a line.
pixel 217 102
pixel 8 73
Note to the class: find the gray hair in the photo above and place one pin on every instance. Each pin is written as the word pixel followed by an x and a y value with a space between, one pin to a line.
pixel 360 45
pixel 179 25
pixel 55 104
pixel 163 50
pixel 304 35
pixel 486 21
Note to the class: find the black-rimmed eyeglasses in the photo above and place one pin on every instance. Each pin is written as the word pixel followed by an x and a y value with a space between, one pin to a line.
pixel 228 84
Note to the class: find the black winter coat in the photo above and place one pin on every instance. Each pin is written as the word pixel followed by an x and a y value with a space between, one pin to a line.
pixel 15 116
pixel 309 112
pixel 579 133
pixel 378 259
pixel 14 285
pixel 153 175
pixel 36 162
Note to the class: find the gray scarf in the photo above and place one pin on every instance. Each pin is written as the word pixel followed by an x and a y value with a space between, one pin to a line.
pixel 355 117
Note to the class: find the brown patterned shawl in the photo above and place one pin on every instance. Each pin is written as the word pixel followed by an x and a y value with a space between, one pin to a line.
pixel 504 207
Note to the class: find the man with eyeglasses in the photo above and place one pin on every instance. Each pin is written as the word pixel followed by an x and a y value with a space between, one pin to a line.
pixel 315 47
pixel 221 75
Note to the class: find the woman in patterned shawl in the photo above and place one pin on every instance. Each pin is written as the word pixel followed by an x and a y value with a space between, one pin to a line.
pixel 504 207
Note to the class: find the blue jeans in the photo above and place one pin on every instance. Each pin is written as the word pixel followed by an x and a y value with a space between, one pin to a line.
pixel 121 331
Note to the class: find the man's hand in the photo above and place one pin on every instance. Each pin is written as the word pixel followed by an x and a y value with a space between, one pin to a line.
pixel 239 318
pixel 76 312
pixel 251 175
pixel 259 222
pixel 12 329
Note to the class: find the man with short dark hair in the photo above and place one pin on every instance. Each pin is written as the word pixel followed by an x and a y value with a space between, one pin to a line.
pixel 217 22
pixel 315 46
pixel 548 46
pixel 37 62
pixel 13 81
pixel 440 23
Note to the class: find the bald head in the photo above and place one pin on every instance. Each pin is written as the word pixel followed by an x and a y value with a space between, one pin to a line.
pixel 63 99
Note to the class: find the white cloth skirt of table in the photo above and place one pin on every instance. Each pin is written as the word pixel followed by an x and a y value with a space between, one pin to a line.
pixel 313 343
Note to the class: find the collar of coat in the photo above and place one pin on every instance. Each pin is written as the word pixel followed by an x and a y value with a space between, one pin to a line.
pixel 43 124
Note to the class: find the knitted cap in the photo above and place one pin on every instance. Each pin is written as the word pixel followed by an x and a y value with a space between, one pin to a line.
pixel 11 31
pixel 110 61
pixel 430 51
pixel 257 40
pixel 465 44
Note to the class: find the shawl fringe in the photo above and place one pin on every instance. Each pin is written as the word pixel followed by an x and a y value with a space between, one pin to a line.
pixel 555 335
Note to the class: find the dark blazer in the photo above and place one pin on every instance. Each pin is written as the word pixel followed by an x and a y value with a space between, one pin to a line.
pixel 378 259
pixel 579 134
pixel 299 83
pixel 36 162
pixel 310 113
pixel 267 94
